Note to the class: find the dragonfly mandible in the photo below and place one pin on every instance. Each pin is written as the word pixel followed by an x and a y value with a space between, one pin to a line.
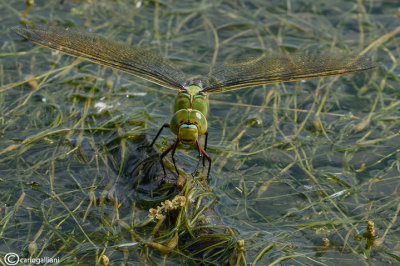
pixel 191 104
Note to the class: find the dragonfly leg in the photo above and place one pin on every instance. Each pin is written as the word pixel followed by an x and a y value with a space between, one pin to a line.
pixel 173 155
pixel 205 154
pixel 196 144
pixel 155 138
pixel 172 147
pixel 158 134
pixel 205 146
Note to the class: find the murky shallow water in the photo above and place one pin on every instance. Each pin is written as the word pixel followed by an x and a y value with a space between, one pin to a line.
pixel 298 168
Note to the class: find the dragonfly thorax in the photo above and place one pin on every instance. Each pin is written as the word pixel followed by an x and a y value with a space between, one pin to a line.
pixel 192 98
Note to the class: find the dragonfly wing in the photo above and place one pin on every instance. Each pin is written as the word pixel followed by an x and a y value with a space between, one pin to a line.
pixel 94 48
pixel 282 68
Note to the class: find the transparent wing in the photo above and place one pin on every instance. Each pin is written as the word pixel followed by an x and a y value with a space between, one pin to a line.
pixel 94 48
pixel 282 68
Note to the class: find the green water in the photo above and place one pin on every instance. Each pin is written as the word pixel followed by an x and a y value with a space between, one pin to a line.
pixel 298 168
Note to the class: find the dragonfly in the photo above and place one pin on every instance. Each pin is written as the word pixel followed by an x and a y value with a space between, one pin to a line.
pixel 191 104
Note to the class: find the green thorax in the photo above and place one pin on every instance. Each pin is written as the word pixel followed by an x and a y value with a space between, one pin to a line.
pixel 192 98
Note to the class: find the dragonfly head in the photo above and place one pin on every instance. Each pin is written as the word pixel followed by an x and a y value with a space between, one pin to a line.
pixel 188 133
pixel 188 125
